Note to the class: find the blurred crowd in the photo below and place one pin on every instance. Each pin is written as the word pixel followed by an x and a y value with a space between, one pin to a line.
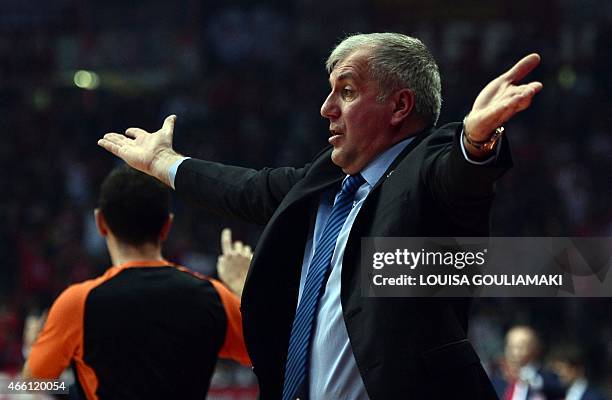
pixel 246 80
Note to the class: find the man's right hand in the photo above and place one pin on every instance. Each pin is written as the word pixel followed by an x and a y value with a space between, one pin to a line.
pixel 150 153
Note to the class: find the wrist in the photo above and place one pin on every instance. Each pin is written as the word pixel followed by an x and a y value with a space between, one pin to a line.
pixel 473 152
pixel 481 148
pixel 161 164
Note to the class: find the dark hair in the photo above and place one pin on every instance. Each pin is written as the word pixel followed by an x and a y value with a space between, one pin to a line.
pixel 570 354
pixel 135 205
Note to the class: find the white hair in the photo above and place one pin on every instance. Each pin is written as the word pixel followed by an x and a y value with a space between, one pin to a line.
pixel 397 61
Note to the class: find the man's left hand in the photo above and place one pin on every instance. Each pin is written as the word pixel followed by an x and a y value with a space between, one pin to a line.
pixel 501 99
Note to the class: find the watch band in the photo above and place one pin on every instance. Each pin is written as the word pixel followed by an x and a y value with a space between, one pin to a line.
pixel 485 145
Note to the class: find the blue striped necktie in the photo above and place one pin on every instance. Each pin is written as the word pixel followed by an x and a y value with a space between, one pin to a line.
pixel 303 324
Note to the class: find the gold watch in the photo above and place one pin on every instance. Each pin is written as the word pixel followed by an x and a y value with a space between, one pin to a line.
pixel 484 145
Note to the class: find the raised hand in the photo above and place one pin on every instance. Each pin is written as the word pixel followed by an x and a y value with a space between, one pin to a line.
pixel 233 263
pixel 150 153
pixel 32 326
pixel 501 99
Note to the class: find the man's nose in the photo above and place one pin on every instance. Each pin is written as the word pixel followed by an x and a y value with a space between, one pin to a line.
pixel 330 109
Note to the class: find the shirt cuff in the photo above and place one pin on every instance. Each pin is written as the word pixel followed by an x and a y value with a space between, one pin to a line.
pixel 468 159
pixel 174 169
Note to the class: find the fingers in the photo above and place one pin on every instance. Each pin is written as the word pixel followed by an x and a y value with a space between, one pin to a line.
pixel 235 249
pixel 109 146
pixel 535 86
pixel 242 250
pixel 116 138
pixel 226 241
pixel 524 95
pixel 523 103
pixel 522 68
pixel 526 90
pixel 113 142
pixel 135 132
pixel 518 101
pixel 530 91
pixel 168 126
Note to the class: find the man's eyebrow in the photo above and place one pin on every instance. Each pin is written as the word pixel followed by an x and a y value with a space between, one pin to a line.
pixel 343 76
pixel 346 75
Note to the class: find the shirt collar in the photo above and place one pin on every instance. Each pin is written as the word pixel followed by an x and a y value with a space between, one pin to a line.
pixel 145 263
pixel 376 168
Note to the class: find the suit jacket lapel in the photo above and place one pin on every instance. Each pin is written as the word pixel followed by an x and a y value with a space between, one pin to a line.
pixel 322 174
pixel 415 142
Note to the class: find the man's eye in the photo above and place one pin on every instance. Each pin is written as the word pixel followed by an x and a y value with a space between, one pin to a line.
pixel 347 93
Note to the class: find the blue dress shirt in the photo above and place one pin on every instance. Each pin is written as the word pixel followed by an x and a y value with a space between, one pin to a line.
pixel 333 373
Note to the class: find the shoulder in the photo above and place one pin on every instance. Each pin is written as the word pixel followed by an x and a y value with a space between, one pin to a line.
pixel 213 285
pixel 74 296
pixel 203 284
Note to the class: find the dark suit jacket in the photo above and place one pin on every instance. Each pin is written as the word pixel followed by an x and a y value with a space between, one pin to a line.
pixel 406 348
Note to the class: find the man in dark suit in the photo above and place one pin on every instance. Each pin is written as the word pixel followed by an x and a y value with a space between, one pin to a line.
pixel 388 172
pixel 525 376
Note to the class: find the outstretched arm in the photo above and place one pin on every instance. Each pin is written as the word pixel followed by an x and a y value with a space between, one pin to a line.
pixel 466 188
pixel 499 101
pixel 240 192
pixel 150 153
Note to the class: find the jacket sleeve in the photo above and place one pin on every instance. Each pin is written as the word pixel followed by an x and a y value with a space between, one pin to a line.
pixel 452 179
pixel 244 193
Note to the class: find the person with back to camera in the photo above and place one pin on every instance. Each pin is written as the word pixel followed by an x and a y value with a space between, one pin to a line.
pixel 147 328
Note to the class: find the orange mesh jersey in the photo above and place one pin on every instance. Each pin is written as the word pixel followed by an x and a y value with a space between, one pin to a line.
pixel 146 329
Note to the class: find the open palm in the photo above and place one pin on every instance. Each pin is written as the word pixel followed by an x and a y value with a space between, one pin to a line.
pixel 139 148
pixel 502 98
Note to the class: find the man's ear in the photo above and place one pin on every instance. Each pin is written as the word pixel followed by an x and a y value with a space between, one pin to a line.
pixel 100 223
pixel 165 230
pixel 403 105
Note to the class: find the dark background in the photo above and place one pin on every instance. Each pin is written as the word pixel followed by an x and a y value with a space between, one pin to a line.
pixel 246 80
